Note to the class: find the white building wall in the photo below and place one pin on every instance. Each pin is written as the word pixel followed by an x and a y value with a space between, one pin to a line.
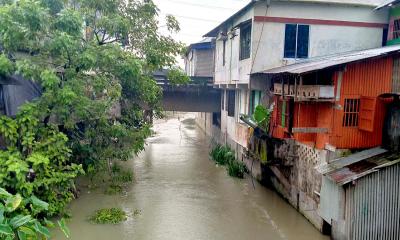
pixel 267 48
pixel 324 39
pixel 234 71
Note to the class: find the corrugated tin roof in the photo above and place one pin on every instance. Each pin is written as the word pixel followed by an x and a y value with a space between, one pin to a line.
pixel 319 63
pixel 353 167
pixel 215 31
pixel 369 3
pixel 372 3
pixel 386 3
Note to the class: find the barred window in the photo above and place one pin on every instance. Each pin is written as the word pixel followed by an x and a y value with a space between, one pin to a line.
pixel 396 29
pixel 351 112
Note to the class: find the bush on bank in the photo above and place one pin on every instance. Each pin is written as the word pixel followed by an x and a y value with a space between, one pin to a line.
pixel 225 156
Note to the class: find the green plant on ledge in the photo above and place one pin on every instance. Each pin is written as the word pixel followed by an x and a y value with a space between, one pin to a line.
pixel 262 116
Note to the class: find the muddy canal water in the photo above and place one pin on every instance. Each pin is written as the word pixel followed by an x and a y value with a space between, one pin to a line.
pixel 182 195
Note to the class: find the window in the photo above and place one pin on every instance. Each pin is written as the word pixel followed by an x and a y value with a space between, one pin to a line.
pixel 245 42
pixel 255 100
pixel 223 99
pixel 351 112
pixel 283 113
pixel 231 103
pixel 367 113
pixel 396 29
pixel 216 119
pixel 223 52
pixel 296 41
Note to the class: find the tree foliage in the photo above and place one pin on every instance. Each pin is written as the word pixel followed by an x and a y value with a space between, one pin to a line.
pixel 94 60
pixel 15 223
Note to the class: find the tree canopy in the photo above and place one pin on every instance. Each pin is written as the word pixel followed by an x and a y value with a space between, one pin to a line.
pixel 94 61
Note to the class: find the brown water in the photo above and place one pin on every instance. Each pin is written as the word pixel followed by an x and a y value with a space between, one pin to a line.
pixel 182 195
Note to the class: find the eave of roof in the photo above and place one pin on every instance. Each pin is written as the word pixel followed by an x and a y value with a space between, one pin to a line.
pixel 367 3
pixel 370 3
pixel 319 63
pixel 358 165
pixel 214 32
pixel 386 4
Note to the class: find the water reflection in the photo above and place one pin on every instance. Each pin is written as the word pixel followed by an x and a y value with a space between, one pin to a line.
pixel 182 195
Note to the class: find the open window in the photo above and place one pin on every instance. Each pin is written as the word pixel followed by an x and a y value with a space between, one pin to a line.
pixel 367 113
pixel 283 113
pixel 245 41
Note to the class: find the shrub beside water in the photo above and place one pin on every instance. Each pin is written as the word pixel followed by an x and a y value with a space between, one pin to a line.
pixel 108 216
pixel 224 155
pixel 236 169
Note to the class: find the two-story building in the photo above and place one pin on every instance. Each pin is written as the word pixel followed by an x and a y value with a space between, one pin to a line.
pixel 394 20
pixel 339 114
pixel 199 66
pixel 270 33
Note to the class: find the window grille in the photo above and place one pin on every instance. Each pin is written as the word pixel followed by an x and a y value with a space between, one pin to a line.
pixel 396 29
pixel 351 112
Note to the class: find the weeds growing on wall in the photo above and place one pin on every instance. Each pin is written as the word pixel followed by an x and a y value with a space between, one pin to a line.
pixel 225 156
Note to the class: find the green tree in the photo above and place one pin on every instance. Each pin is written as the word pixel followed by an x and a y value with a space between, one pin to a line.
pixel 94 60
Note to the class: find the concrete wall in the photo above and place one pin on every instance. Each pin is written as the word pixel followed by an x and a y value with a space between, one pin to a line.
pixel 296 178
pixel 268 37
pixel 268 46
pixel 204 100
pixel 204 121
pixel 200 63
pixel 234 71
pixel 324 39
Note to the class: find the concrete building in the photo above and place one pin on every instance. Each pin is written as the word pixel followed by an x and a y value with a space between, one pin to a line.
pixel 199 65
pixel 267 34
pixel 327 108
pixel 394 20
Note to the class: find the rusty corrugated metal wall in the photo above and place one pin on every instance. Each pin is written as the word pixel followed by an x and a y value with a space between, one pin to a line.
pixel 373 206
pixel 368 78
pixel 362 80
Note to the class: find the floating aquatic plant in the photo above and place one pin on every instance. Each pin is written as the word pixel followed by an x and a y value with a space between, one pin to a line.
pixel 108 216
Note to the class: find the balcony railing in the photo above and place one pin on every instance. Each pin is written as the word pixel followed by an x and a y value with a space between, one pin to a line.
pixel 306 92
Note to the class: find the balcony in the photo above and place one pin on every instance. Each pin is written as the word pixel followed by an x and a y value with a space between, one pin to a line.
pixel 306 92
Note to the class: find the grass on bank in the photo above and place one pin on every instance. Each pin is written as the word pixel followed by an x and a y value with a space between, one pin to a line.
pixel 225 156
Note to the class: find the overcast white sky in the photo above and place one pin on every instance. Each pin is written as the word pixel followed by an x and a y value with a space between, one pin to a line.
pixel 197 17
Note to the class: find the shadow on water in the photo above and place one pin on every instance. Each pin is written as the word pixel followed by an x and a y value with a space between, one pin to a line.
pixel 182 195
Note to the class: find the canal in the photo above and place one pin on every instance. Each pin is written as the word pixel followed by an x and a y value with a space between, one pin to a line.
pixel 182 195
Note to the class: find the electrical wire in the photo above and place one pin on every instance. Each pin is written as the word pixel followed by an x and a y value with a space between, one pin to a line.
pixel 259 39
pixel 201 5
